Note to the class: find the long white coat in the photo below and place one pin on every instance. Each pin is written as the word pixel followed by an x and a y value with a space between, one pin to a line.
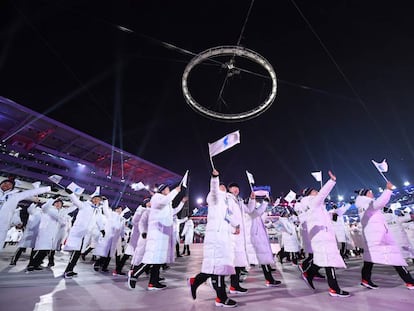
pixel 8 204
pixel 188 232
pixel 301 210
pixel 114 230
pixel 218 255
pixel 320 229
pixel 88 215
pixel 395 224
pixel 339 224
pixel 380 246
pixel 238 210
pixel 290 239
pixel 32 227
pixel 258 234
pixel 51 223
pixel 135 232
pixel 160 240
pixel 142 242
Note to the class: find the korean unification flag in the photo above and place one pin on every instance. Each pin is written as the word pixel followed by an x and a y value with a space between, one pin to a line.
pixel 224 143
pixel 381 167
pixel 184 180
pixel 78 190
pixel 138 186
pixel 290 196
pixel 96 192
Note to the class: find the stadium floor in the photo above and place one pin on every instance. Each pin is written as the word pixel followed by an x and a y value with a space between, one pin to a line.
pixel 47 290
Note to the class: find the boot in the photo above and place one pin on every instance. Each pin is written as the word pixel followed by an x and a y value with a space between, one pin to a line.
pixel 177 250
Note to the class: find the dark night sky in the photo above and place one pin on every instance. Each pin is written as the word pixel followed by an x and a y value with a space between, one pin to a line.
pixel 332 111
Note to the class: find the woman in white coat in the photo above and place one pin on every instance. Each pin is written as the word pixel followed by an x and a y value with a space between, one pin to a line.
pixel 30 233
pixel 322 238
pixel 380 246
pixel 9 198
pixel 188 235
pixel 218 255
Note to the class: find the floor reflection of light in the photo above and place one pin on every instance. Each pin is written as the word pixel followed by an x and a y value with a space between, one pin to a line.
pixel 46 301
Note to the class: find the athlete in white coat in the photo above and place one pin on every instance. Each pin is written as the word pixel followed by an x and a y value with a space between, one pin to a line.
pixel 322 238
pixel 188 235
pixel 380 246
pixel 9 198
pixel 160 243
pixel 89 214
pixel 218 255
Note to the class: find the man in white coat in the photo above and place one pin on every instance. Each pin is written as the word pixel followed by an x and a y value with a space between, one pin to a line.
pixel 160 242
pixel 380 246
pixel 9 198
pixel 322 238
pixel 218 255
pixel 188 235
pixel 88 215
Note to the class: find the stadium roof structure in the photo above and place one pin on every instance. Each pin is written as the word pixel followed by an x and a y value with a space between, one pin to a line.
pixel 34 147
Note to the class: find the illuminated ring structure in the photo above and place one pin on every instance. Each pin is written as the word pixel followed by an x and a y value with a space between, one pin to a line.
pixel 229 51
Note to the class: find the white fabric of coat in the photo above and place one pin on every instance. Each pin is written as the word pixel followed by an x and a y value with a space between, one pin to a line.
pixel 394 223
pixel 301 210
pixel 114 231
pixel 31 231
pixel 409 229
pixel 320 229
pixel 357 235
pixel 160 239
pixel 142 242
pixel 218 251
pixel 52 221
pixel 380 246
pixel 135 233
pixel 188 232
pixel 290 240
pixel 238 209
pixel 8 204
pixel 339 224
pixel 88 216
pixel 258 234
pixel 178 221
pixel 14 235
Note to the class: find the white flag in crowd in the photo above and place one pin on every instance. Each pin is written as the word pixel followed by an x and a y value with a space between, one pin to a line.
pixel 381 167
pixel 184 180
pixel 224 143
pixel 96 192
pixel 250 177
pixel 55 178
pixel 78 190
pixel 138 186
pixel 36 184
pixel 290 196
pixel 317 176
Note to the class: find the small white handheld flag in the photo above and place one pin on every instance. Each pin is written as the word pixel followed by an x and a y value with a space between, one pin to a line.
pixel 317 176
pixel 381 167
pixel 250 177
pixel 138 186
pixel 96 192
pixel 290 196
pixel 36 184
pixel 78 190
pixel 55 178
pixel 224 143
pixel 184 180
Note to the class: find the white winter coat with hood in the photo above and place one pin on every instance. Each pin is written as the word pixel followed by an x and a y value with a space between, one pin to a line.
pixel 380 246
pixel 31 230
pixel 218 256
pixel 320 229
pixel 88 216
pixel 160 244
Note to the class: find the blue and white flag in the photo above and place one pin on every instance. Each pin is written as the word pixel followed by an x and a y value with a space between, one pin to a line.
pixel 290 196
pixel 138 186
pixel 184 180
pixel 96 192
pixel 381 167
pixel 317 175
pixel 224 143
pixel 55 178
pixel 78 190
pixel 250 177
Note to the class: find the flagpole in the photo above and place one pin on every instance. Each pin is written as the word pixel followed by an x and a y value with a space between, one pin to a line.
pixel 212 164
pixel 382 174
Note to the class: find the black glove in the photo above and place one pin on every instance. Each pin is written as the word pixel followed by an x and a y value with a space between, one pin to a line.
pixel 335 217
pixel 103 233
pixel 68 191
pixel 144 235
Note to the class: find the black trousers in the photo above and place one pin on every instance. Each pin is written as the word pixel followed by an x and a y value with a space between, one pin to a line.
pixel 37 258
pixel 218 284
pixel 404 274
pixel 74 257
pixel 235 278
pixel 330 275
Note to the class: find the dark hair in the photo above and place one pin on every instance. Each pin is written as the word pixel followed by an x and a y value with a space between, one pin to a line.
pixel 362 191
pixel 307 191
